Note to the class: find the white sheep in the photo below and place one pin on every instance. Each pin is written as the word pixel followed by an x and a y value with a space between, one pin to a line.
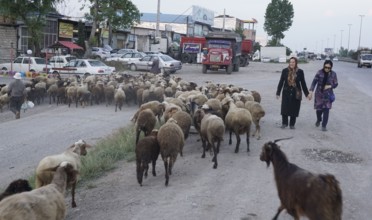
pixel 72 155
pixel 44 203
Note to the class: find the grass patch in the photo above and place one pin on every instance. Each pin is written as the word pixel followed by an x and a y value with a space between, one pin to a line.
pixel 103 157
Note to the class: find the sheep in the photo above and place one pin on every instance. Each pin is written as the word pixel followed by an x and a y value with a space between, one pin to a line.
pixel 4 100
pixel 302 193
pixel 119 98
pixel 257 113
pixel 109 92
pixel 256 96
pixel 147 151
pixel 212 129
pixel 146 122
pixel 184 120
pixel 237 120
pixel 171 140
pixel 17 186
pixel 71 155
pixel 44 203
pixel 156 107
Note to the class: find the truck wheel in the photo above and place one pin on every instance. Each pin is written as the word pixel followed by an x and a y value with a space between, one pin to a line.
pixel 229 69
pixel 186 58
pixel 204 68
pixel 243 61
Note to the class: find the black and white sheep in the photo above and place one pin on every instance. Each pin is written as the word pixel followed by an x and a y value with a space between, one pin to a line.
pixel 212 129
pixel 44 203
pixel 16 186
pixel 147 151
pixel 44 174
pixel 171 141
pixel 302 193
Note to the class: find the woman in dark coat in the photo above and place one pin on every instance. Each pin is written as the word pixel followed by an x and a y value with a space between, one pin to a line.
pixel 325 81
pixel 155 65
pixel 292 78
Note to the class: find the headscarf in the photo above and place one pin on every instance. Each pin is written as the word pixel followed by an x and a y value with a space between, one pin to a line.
pixel 292 73
pixel 326 74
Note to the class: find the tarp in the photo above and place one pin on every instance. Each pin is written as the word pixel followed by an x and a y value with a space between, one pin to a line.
pixel 66 44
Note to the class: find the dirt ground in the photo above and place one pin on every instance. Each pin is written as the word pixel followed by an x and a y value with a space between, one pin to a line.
pixel 242 187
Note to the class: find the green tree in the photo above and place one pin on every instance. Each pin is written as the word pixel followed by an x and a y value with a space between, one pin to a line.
pixel 33 14
pixel 240 31
pixel 117 14
pixel 278 18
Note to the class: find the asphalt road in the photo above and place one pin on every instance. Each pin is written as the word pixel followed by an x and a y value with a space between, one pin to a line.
pixel 242 187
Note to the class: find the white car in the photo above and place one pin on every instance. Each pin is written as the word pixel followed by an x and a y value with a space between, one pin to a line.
pixel 100 52
pixel 60 61
pixel 85 67
pixel 166 63
pixel 122 52
pixel 130 56
pixel 26 64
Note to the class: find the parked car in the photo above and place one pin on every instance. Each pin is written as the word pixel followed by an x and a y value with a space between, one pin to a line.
pixel 85 67
pixel 335 59
pixel 166 63
pixel 121 52
pixel 100 52
pixel 130 56
pixel 25 64
pixel 60 61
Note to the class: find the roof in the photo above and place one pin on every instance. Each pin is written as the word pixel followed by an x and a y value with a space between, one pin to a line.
pixel 165 18
pixel 67 44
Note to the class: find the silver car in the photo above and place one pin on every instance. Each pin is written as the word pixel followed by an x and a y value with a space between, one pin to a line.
pixel 166 63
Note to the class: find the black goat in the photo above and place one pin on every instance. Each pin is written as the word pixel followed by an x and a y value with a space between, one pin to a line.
pixel 17 186
pixel 302 193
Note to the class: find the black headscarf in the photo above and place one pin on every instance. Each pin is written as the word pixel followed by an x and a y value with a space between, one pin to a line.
pixel 326 74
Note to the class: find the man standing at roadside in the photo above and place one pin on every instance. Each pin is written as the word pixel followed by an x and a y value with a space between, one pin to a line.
pixel 16 93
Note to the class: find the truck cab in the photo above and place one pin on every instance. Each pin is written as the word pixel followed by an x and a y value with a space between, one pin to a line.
pixel 223 51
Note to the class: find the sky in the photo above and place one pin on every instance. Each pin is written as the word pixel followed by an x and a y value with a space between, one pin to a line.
pixel 317 24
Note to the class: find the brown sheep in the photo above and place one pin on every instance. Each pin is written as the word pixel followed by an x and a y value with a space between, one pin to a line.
pixel 147 151
pixel 184 120
pixel 302 193
pixel 171 141
pixel 146 122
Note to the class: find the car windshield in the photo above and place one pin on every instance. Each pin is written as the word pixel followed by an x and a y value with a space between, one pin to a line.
pixel 166 58
pixel 40 61
pixel 70 58
pixel 367 57
pixel 96 63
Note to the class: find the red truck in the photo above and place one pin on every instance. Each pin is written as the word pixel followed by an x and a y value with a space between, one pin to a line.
pixel 191 46
pixel 223 51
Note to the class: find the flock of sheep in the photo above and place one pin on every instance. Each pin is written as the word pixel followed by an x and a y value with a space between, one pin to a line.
pixel 175 105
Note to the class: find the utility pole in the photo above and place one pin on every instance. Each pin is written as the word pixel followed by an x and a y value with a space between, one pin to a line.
pixel 348 41
pixel 157 20
pixel 223 21
pixel 341 39
pixel 360 31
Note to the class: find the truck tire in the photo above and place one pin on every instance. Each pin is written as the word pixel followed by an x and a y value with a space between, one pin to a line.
pixel 204 68
pixel 229 69
pixel 185 58
pixel 243 61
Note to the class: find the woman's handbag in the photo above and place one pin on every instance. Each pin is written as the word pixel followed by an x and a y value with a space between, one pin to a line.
pixel 332 97
pixel 298 93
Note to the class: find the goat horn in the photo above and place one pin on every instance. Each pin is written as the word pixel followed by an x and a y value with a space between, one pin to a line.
pixel 282 139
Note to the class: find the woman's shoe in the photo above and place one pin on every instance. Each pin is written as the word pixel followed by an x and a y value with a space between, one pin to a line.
pixel 317 123
pixel 324 129
pixel 292 127
pixel 283 126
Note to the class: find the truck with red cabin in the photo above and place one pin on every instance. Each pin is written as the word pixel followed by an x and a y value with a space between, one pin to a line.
pixel 223 51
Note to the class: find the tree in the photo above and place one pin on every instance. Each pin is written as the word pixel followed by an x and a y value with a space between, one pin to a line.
pixel 32 13
pixel 240 31
pixel 117 14
pixel 278 18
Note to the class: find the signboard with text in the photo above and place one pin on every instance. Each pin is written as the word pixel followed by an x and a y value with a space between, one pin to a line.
pixel 66 30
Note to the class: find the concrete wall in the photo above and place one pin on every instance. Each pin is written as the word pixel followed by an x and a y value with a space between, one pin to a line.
pixel 8 35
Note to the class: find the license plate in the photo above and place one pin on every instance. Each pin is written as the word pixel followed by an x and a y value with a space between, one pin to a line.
pixel 215 66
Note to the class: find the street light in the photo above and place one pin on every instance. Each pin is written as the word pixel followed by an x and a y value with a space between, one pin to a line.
pixel 360 31
pixel 29 52
pixel 348 41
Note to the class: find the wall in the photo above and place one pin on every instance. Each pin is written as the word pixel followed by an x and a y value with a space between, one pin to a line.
pixel 8 34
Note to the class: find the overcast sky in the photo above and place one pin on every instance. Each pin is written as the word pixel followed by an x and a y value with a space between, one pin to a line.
pixel 317 24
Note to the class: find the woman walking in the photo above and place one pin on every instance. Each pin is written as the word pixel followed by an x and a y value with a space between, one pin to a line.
pixel 292 82
pixel 325 81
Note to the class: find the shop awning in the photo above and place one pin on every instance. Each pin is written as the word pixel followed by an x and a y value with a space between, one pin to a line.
pixel 66 44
